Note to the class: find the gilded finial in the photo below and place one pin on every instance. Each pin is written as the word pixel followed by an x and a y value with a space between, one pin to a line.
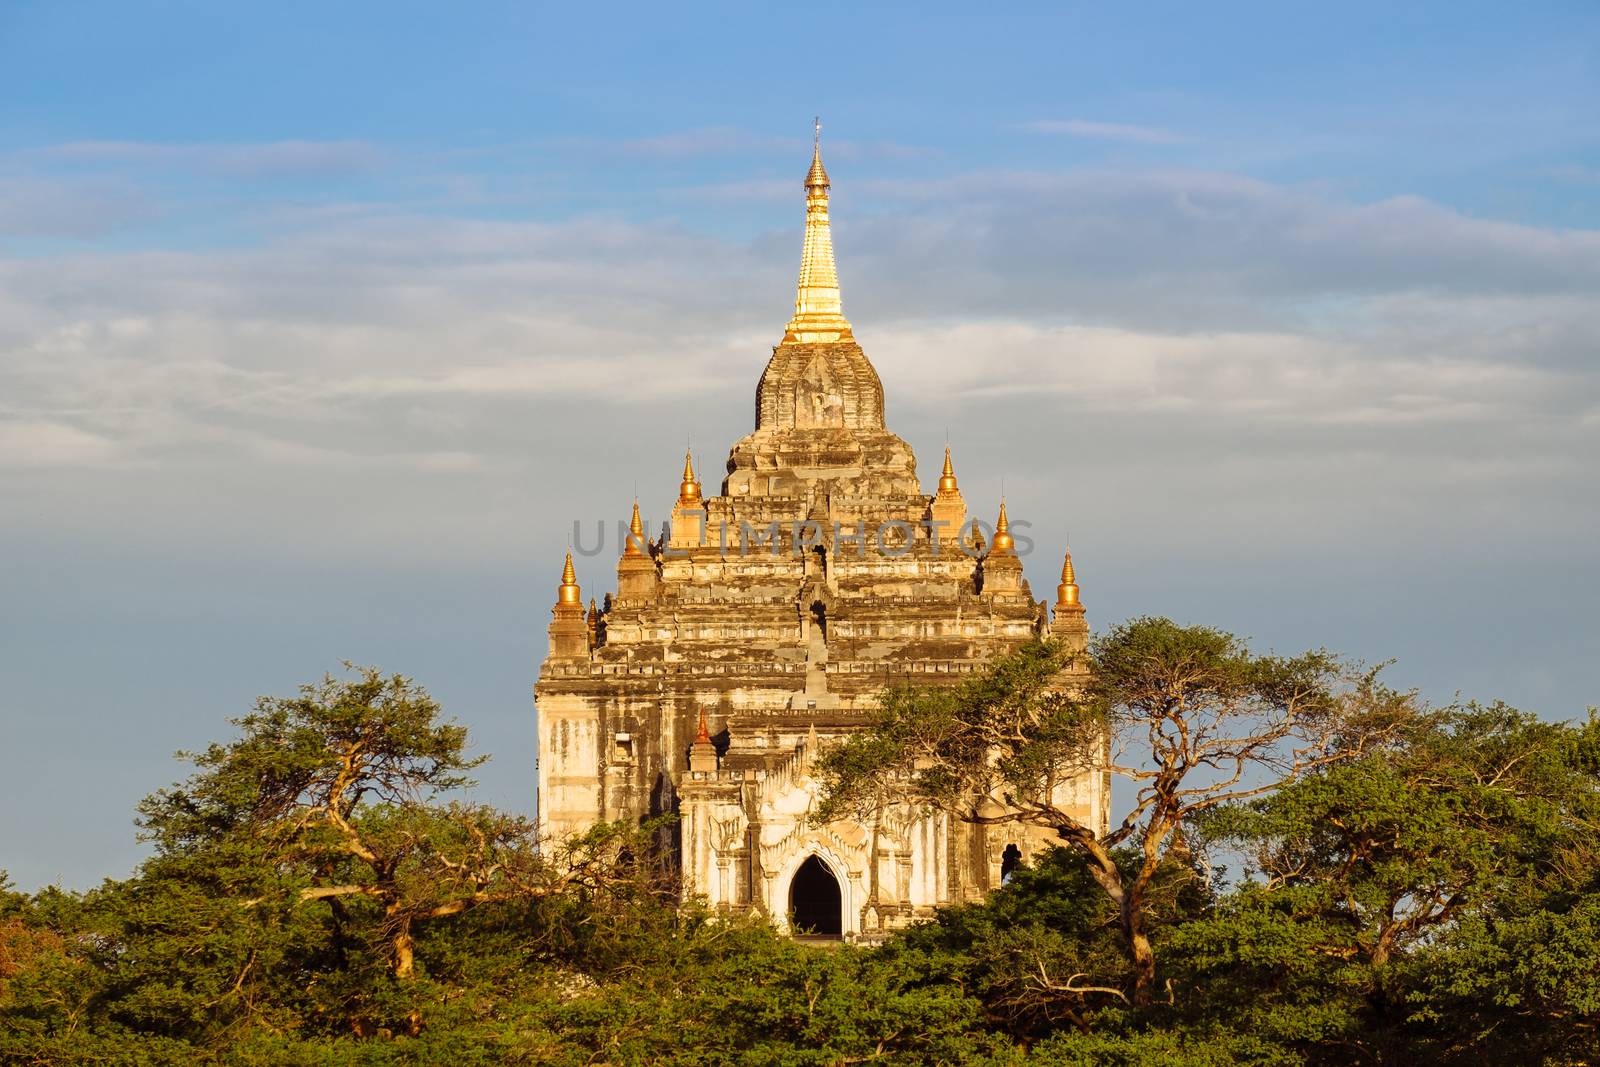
pixel 1003 541
pixel 1067 591
pixel 947 510
pixel 702 736
pixel 569 591
pixel 947 480
pixel 817 177
pixel 689 488
pixel 635 546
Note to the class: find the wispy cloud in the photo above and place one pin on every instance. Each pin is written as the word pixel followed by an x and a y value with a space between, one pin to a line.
pixel 274 159
pixel 1201 250
pixel 771 190
pixel 1196 319
pixel 712 141
pixel 1574 172
pixel 48 443
pixel 70 207
pixel 706 142
pixel 1106 131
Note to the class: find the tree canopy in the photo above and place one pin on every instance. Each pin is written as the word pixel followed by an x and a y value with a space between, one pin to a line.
pixel 1323 872
pixel 1188 716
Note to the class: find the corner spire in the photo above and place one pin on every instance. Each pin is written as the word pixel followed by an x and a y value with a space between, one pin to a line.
pixel 1067 591
pixel 689 488
pixel 570 636
pixel 569 592
pixel 947 510
pixel 635 546
pixel 1069 624
pixel 703 753
pixel 636 570
pixel 1003 541
pixel 818 313
pixel 947 479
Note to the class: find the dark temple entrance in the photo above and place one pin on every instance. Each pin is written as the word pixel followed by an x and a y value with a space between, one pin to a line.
pixel 1010 860
pixel 814 903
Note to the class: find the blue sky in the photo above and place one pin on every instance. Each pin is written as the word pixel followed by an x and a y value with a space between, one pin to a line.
pixel 319 324
pixel 1470 104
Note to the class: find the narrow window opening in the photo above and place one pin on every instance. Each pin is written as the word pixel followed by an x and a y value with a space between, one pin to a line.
pixel 1010 860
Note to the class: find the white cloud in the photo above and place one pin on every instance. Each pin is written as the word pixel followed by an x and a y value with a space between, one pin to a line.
pixel 1574 172
pixel 1247 376
pixel 69 207
pixel 401 378
pixel 48 443
pixel 275 159
pixel 1186 250
pixel 719 140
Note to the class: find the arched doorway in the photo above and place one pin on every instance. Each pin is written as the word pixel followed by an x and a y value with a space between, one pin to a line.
pixel 814 901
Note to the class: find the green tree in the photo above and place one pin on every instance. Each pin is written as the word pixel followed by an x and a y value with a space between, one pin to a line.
pixel 296 872
pixel 1418 887
pixel 1439 899
pixel 341 783
pixel 1188 715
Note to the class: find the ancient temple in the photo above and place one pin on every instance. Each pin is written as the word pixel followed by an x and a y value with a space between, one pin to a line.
pixel 764 622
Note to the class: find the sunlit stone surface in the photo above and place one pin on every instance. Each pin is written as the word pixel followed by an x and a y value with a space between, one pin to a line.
pixel 718 668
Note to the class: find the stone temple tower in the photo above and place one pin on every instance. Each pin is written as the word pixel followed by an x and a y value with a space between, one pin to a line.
pixel 765 621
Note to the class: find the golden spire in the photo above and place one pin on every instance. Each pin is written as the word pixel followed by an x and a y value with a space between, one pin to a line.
pixel 947 480
pixel 1067 591
pixel 947 510
pixel 569 592
pixel 817 175
pixel 702 736
pixel 635 546
pixel 689 488
pixel 818 313
pixel 1003 541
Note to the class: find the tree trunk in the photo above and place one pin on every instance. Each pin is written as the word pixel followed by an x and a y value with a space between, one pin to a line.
pixel 405 963
pixel 404 951
pixel 1139 950
pixel 1130 915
